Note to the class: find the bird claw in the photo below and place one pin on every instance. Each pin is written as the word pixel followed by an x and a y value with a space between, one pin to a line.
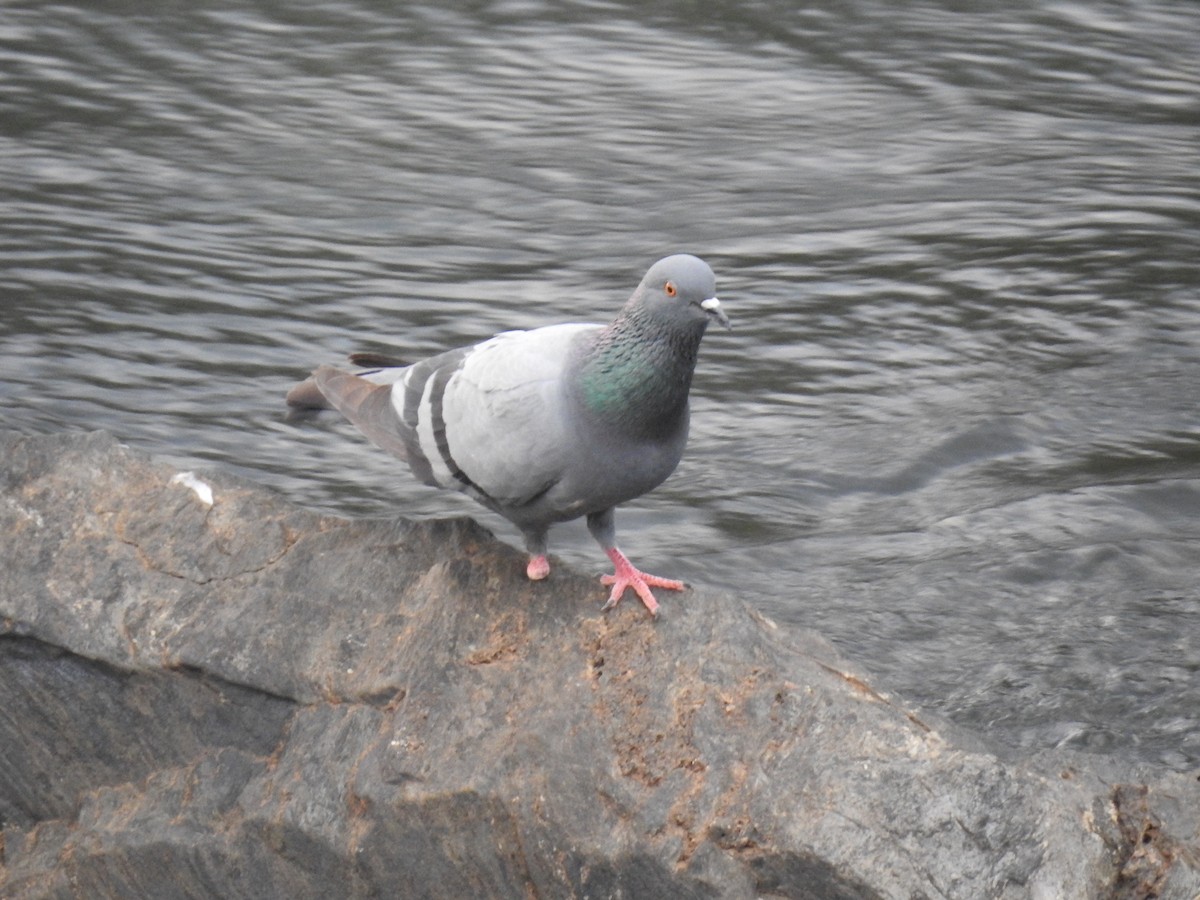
pixel 669 584
pixel 611 603
pixel 641 584
pixel 643 593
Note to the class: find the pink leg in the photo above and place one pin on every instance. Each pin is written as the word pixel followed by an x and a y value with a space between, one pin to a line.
pixel 538 568
pixel 627 576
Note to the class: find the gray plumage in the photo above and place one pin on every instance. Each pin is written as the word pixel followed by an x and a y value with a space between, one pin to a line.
pixel 550 424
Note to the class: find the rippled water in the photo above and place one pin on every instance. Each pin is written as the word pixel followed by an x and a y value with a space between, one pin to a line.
pixel 956 428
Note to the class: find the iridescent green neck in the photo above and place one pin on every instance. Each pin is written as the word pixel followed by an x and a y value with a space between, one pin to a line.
pixel 636 376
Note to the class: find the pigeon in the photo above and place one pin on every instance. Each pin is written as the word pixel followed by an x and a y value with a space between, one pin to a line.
pixel 550 424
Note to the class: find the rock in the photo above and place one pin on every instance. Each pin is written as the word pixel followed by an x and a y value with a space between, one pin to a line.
pixel 223 695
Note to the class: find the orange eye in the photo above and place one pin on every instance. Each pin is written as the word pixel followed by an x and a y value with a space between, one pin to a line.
pixel 671 289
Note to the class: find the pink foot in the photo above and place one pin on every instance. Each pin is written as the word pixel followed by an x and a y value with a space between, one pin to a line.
pixel 538 568
pixel 627 576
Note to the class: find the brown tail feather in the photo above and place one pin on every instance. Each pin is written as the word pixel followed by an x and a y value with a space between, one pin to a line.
pixel 306 395
pixel 368 406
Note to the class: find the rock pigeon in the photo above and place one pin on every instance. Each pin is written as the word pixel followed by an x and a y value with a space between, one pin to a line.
pixel 551 424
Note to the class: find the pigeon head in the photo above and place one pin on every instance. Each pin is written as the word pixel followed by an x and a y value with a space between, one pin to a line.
pixel 634 374
pixel 681 290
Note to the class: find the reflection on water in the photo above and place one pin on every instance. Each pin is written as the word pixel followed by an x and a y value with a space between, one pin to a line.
pixel 955 428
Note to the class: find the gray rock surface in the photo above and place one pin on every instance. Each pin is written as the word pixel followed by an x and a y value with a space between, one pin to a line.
pixel 246 699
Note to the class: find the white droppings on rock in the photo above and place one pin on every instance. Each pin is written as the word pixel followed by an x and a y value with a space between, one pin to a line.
pixel 201 489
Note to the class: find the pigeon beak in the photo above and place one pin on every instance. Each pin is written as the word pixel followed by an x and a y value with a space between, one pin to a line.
pixel 712 306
